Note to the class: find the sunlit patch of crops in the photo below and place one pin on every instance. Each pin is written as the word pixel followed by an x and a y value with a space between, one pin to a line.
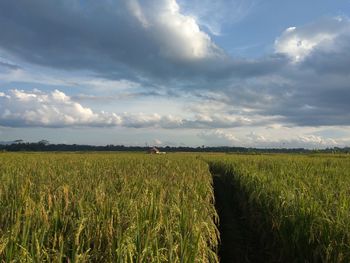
pixel 304 201
pixel 106 208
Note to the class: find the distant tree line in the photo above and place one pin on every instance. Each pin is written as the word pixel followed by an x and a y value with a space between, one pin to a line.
pixel 45 146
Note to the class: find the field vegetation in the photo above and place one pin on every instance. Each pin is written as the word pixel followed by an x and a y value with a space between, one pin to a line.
pixel 113 207
pixel 106 208
pixel 298 207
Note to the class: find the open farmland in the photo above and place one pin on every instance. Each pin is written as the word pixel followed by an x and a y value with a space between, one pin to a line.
pixel 107 207
pixel 295 208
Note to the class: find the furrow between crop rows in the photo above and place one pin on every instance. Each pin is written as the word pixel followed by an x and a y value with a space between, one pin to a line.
pixel 282 208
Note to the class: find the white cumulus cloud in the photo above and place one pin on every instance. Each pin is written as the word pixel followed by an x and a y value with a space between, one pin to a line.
pixel 54 109
pixel 298 42
pixel 254 139
pixel 20 108
pixel 178 36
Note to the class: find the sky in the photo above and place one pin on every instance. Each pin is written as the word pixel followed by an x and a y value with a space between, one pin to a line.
pixel 252 73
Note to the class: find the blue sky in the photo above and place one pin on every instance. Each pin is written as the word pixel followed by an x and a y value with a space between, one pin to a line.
pixel 176 72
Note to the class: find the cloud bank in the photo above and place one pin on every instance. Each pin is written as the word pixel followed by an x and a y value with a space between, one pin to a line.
pixel 113 38
pixel 252 139
pixel 19 108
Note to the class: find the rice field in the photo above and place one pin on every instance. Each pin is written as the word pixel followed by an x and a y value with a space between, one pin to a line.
pixel 106 208
pixel 297 206
pixel 133 207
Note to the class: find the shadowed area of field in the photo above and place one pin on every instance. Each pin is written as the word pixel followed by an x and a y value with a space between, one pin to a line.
pixel 238 243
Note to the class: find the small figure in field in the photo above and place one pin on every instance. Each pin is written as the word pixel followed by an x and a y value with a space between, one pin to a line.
pixel 154 150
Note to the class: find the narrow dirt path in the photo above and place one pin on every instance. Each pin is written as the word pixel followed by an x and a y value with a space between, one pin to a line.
pixel 238 243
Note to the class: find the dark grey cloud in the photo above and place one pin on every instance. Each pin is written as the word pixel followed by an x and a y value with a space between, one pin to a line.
pixel 101 36
pixel 116 97
pixel 332 60
pixel 68 35
pixel 296 97
pixel 318 106
pixel 111 39
pixel 312 88
pixel 10 66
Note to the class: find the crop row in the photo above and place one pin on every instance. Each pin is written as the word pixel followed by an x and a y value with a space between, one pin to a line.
pixel 298 206
pixel 106 208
